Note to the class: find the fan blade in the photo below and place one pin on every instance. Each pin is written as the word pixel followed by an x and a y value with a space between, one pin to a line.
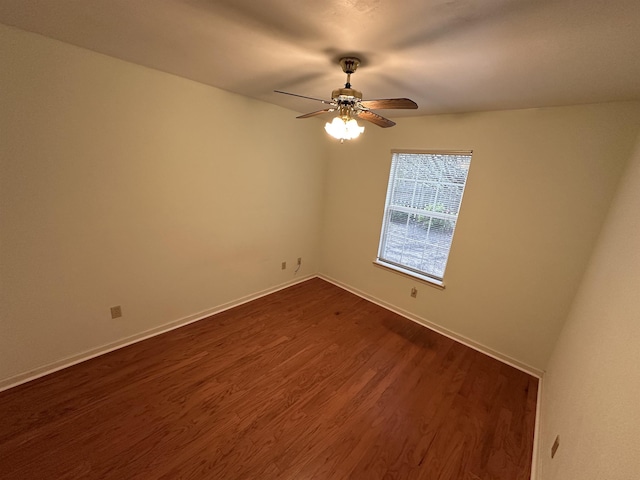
pixel 389 103
pixel 313 114
pixel 302 96
pixel 375 118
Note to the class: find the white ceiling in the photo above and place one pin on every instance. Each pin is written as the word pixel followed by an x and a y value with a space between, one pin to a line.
pixel 447 55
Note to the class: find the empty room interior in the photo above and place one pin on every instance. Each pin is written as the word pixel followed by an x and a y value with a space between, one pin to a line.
pixel 194 283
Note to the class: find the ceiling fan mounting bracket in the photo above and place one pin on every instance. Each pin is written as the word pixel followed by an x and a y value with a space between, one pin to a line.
pixel 349 64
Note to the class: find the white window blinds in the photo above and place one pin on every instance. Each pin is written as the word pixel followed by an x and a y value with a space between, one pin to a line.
pixel 421 210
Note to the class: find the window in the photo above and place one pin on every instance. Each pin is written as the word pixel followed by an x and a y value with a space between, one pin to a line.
pixel 423 200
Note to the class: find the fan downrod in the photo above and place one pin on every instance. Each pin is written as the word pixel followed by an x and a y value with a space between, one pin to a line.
pixel 349 65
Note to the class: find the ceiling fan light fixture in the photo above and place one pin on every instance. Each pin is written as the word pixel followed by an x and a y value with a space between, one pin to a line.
pixel 349 104
pixel 343 129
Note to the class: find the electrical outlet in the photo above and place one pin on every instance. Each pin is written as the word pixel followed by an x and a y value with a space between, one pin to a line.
pixel 555 446
pixel 299 261
pixel 284 265
pixel 414 292
pixel 116 312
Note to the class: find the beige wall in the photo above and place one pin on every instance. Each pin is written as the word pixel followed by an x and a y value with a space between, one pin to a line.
pixel 591 394
pixel 538 189
pixel 124 185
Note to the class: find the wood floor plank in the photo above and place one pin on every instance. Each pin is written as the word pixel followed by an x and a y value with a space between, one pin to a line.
pixel 309 382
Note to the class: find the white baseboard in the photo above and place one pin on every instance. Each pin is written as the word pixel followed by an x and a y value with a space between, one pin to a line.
pixel 441 330
pixel 19 379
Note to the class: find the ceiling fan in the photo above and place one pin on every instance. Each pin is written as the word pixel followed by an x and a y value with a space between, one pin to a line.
pixel 349 105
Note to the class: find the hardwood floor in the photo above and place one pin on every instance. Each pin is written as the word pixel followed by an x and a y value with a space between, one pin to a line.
pixel 310 382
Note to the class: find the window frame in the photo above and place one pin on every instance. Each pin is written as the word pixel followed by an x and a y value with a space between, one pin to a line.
pixel 430 278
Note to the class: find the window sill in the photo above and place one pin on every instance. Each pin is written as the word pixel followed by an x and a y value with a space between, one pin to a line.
pixel 408 273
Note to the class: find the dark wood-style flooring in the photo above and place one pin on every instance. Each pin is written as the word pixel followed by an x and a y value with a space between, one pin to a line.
pixel 311 382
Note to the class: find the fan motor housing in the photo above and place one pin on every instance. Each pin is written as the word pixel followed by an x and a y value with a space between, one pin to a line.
pixel 346 94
